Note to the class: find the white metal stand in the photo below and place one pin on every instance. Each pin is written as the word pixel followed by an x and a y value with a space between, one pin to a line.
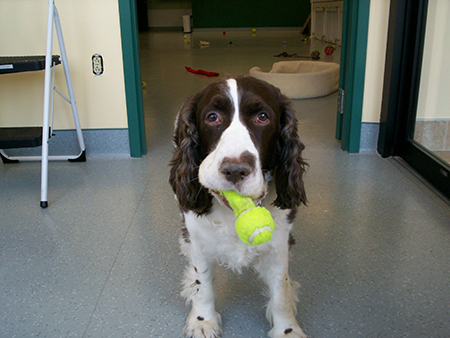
pixel 49 89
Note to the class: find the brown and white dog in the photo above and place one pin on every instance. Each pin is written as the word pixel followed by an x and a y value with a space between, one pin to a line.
pixel 237 134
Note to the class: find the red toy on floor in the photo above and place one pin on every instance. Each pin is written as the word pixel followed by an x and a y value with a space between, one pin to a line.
pixel 201 72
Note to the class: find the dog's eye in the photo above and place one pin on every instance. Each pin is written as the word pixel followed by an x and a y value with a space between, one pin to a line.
pixel 212 118
pixel 262 118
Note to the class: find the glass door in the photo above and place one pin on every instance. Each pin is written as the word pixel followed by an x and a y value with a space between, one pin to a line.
pixel 432 124
pixel 415 113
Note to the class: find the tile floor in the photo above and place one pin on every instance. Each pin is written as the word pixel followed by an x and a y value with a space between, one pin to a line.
pixel 372 253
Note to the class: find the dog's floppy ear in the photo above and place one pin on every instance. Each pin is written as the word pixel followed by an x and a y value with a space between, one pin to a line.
pixel 291 166
pixel 186 160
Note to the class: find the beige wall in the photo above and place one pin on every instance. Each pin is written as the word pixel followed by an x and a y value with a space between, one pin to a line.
pixel 376 54
pixel 89 27
pixel 434 94
pixel 434 98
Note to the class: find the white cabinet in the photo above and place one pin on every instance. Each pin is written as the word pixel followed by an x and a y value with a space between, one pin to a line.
pixel 326 20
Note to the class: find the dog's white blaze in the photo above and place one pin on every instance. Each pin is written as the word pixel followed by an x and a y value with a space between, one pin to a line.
pixel 237 135
pixel 232 85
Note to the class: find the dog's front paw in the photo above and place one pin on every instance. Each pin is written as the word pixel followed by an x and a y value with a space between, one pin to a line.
pixel 289 332
pixel 199 327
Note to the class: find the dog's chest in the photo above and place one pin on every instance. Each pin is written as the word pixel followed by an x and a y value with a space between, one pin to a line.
pixel 215 235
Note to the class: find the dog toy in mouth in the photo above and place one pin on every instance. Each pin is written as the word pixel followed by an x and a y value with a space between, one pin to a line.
pixel 254 224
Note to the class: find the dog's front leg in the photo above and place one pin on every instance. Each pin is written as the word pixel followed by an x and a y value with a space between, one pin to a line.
pixel 281 308
pixel 203 321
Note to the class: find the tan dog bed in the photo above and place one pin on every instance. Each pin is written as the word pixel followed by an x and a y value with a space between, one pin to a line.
pixel 301 79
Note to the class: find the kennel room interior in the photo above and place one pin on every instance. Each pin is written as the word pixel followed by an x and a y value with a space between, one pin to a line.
pixel 102 259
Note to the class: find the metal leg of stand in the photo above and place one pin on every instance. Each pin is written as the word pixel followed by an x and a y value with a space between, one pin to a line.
pixel 53 17
pixel 47 92
pixel 65 63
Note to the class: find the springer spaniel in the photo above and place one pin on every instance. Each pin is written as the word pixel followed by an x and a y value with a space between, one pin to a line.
pixel 237 134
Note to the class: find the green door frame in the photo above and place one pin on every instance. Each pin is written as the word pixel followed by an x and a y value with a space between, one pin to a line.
pixel 132 77
pixel 355 28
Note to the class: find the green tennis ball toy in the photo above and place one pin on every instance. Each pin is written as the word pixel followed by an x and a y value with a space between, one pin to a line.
pixel 254 224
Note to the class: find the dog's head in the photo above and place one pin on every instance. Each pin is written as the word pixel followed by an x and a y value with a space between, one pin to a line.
pixel 230 136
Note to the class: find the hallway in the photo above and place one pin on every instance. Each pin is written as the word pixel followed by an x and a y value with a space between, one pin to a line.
pixel 373 245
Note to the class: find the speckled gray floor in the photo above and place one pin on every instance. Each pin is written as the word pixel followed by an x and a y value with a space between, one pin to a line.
pixel 372 253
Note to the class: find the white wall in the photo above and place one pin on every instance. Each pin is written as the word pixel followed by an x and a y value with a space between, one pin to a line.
pixel 375 60
pixel 89 27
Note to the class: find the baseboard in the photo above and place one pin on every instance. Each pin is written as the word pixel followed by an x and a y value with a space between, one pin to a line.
pixel 98 142
pixel 369 136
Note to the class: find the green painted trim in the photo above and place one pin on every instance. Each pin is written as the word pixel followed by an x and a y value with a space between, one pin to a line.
pixel 131 69
pixel 356 31
pixel 346 15
pixel 354 121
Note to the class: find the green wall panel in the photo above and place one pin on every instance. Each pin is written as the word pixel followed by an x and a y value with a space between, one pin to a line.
pixel 249 13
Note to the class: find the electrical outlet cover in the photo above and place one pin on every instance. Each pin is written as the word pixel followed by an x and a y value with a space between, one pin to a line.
pixel 97 64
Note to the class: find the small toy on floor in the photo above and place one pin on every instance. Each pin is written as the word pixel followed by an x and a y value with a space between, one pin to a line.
pixel 254 224
pixel 201 72
pixel 315 55
pixel 329 50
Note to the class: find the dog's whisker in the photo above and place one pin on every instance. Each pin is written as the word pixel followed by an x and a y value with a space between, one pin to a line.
pixel 193 180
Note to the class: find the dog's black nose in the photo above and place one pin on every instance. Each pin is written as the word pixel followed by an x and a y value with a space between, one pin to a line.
pixel 236 170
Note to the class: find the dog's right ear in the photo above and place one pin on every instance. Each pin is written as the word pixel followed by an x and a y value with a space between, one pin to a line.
pixel 186 161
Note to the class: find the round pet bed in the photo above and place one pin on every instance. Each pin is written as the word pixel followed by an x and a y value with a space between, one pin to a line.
pixel 301 79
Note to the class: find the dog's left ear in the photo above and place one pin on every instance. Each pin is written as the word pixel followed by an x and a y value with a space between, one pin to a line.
pixel 291 166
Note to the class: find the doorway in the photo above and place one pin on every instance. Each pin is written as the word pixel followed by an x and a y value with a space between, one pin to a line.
pixel 415 112
pixel 348 128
